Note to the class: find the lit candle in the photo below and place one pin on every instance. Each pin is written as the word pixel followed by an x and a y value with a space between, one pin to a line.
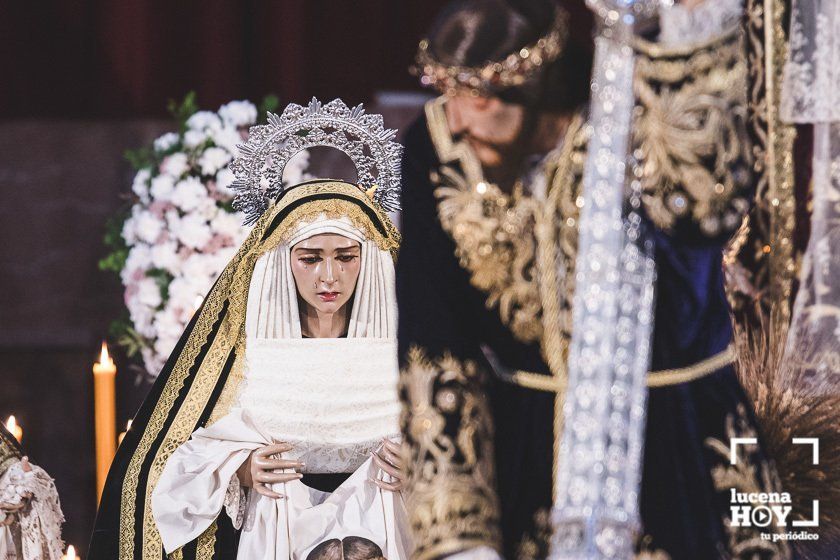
pixel 14 428
pixel 105 413
pixel 70 554
pixel 122 434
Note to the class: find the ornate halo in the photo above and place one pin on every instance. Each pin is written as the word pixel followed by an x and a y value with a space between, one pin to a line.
pixel 364 138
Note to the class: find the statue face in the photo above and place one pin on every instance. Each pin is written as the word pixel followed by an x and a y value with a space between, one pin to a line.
pixel 326 268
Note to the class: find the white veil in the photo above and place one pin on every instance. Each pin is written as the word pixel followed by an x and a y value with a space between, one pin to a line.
pixel 272 297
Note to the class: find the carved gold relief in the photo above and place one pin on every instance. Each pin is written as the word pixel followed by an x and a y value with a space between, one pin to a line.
pixel 451 497
pixel 690 134
pixel 750 474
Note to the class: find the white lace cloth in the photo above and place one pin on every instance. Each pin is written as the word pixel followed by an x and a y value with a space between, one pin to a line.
pixel 195 483
pixel 333 399
pixel 681 25
pixel 811 94
pixel 36 532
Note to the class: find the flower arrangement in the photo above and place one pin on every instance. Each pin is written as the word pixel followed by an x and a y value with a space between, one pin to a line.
pixel 178 229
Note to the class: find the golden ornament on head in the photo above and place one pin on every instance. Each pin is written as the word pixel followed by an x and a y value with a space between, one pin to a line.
pixel 514 70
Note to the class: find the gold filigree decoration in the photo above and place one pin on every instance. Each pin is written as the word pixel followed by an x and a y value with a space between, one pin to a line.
pixel 231 290
pixel 494 232
pixel 763 267
pixel 751 474
pixel 337 208
pixel 448 430
pixel 690 133
pixel 535 544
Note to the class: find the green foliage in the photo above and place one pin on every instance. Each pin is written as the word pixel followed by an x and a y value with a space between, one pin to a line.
pixel 182 111
pixel 269 104
pixel 140 158
pixel 162 278
pixel 124 334
pixel 114 261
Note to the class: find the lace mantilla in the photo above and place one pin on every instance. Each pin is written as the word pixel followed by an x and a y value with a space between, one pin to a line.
pixel 40 521
pixel 811 86
pixel 332 399
pixel 680 25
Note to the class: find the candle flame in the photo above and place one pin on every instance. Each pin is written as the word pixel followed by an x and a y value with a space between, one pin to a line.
pixel 71 553
pixel 128 425
pixel 11 424
pixel 104 357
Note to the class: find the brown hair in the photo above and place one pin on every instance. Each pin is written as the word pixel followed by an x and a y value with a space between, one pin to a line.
pixel 348 548
pixel 474 32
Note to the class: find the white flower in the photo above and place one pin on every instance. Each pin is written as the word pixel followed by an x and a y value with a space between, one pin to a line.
pixel 140 185
pixel 227 137
pixel 213 159
pixel 194 138
pixel 173 220
pixel 204 120
pixel 147 226
pixel 166 141
pixel 193 231
pixel 226 224
pixel 167 324
pixel 128 231
pixel 175 164
pixel 139 258
pixel 141 316
pixel 148 293
pixel 189 193
pixel 165 256
pixel 207 209
pixel 238 113
pixel 163 347
pixel 162 187
pixel 224 179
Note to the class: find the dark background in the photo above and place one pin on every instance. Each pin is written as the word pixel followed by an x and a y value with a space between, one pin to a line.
pixel 82 81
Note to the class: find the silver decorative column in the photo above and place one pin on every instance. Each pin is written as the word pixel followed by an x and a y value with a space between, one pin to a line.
pixel 596 513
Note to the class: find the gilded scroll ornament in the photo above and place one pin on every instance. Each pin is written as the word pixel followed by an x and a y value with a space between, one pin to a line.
pixel 449 446
pixel 690 134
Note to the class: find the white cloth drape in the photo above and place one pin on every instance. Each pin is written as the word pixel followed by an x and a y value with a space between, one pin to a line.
pixel 191 494
pixel 811 94
pixel 333 400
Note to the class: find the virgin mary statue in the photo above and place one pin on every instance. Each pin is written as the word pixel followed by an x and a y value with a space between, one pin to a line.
pixel 271 432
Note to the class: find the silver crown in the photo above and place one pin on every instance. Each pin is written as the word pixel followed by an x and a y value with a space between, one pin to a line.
pixel 259 167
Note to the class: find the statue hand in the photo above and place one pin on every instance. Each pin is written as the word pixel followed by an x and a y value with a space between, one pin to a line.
pixel 389 459
pixel 260 469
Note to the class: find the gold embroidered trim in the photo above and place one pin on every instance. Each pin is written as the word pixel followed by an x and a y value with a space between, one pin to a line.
pixel 337 208
pixel 690 133
pixel 751 473
pixel 232 287
pixel 446 421
pixel 764 266
pixel 660 378
pixel 206 543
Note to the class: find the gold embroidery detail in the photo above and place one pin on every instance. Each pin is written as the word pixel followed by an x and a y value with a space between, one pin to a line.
pixel 691 134
pixel 232 287
pixel 760 276
pixel 749 474
pixel 336 208
pixel 451 497
pixel 494 232
pixel 206 543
